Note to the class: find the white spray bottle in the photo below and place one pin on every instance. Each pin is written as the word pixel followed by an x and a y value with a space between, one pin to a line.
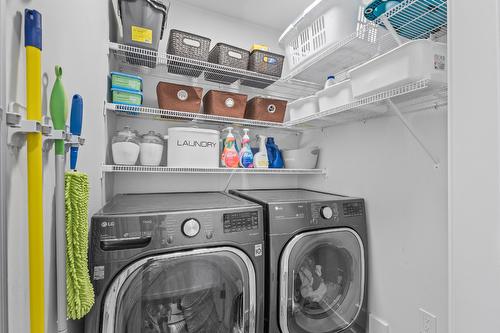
pixel 260 160
pixel 246 155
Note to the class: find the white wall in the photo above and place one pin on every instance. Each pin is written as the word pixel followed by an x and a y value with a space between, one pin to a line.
pixel 3 225
pixel 406 201
pixel 474 167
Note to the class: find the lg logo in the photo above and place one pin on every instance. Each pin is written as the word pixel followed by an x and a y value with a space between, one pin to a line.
pixel 107 224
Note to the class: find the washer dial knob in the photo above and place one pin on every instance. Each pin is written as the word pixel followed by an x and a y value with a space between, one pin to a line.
pixel 326 212
pixel 191 227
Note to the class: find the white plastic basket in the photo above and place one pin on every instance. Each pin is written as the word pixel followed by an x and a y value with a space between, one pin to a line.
pixel 413 61
pixel 334 96
pixel 323 23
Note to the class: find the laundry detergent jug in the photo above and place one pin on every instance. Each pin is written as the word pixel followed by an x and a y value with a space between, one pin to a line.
pixel 274 154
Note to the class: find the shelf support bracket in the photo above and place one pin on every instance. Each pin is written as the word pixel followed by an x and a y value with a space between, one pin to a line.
pixel 410 129
pixel 391 29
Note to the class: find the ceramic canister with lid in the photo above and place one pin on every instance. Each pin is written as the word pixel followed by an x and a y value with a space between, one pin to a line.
pixel 125 147
pixel 193 147
pixel 151 149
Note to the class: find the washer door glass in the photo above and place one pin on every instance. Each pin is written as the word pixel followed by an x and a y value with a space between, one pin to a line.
pixel 322 286
pixel 211 290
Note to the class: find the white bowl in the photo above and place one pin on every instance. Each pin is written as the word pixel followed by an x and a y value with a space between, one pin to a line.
pixel 305 158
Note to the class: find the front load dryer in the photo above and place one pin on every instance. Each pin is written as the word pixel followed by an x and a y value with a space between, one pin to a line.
pixel 177 263
pixel 316 261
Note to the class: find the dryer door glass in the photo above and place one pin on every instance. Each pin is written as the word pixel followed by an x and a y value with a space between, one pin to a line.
pixel 211 290
pixel 324 289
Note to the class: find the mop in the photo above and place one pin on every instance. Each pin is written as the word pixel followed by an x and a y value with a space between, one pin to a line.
pixel 79 290
pixel 58 113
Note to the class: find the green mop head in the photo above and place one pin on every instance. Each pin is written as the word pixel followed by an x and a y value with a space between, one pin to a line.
pixel 79 290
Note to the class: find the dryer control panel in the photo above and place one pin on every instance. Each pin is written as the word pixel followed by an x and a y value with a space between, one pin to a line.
pixel 284 217
pixel 237 222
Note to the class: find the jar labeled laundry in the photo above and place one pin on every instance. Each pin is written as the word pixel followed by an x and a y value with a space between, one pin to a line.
pixel 151 149
pixel 125 147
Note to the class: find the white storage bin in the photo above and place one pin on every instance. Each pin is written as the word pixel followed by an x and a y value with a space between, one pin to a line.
pixel 323 23
pixel 410 62
pixel 334 96
pixel 302 108
pixel 192 148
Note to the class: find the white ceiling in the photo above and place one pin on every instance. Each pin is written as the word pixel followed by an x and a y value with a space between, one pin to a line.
pixel 275 14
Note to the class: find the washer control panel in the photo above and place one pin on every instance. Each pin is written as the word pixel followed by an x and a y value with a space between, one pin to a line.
pixel 324 211
pixel 236 222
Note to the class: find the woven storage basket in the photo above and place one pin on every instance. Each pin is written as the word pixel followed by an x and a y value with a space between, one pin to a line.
pixel 187 45
pixel 267 63
pixel 227 55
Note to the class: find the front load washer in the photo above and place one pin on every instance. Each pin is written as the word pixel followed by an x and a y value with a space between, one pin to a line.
pixel 177 263
pixel 316 261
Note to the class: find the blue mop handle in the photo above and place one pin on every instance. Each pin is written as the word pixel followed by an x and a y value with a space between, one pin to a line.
pixel 75 126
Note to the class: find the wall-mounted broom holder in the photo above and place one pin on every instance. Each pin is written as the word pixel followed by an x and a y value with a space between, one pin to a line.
pixel 18 127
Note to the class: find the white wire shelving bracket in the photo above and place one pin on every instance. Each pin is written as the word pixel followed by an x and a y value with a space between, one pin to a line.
pixel 172 115
pixel 172 68
pixel 413 133
pixel 410 20
pixel 226 171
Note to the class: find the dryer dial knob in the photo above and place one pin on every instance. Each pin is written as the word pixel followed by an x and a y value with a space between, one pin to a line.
pixel 326 212
pixel 191 228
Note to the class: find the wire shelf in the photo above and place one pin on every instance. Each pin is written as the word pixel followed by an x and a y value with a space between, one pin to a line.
pixel 418 19
pixel 424 94
pixel 412 97
pixel 172 115
pixel 411 19
pixel 182 70
pixel 172 170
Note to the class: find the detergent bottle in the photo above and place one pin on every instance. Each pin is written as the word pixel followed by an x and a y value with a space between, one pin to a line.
pixel 246 155
pixel 330 81
pixel 260 160
pixel 274 154
pixel 230 156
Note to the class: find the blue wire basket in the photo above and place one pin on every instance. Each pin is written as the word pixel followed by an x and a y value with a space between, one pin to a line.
pixel 412 19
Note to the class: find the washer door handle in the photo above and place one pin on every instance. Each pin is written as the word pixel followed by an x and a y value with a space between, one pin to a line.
pixel 125 243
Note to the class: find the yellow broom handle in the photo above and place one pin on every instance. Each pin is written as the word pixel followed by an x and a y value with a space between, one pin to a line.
pixel 35 184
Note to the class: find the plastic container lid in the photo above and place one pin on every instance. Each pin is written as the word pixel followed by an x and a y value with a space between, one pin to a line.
pixel 127 91
pixel 193 129
pixel 126 135
pixel 127 75
pixel 152 137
